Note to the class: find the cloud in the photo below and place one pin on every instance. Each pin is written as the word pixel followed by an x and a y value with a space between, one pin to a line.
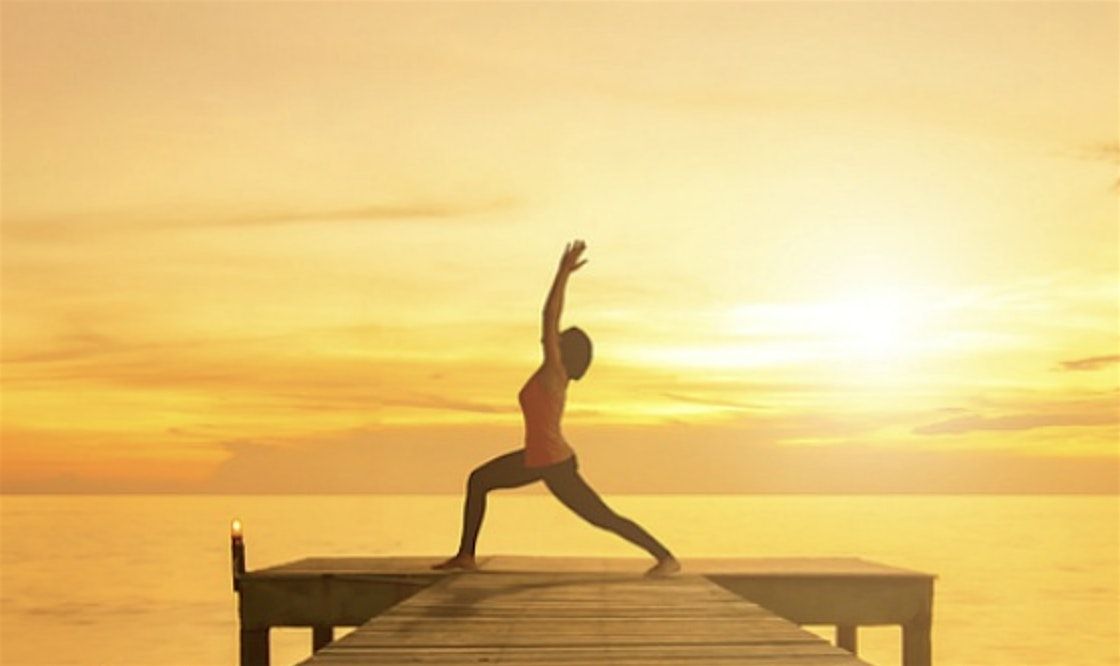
pixel 730 394
pixel 1091 363
pixel 263 378
pixel 392 460
pixel 1104 152
pixel 371 213
pixel 973 422
pixel 69 227
pixel 675 459
pixel 73 347
pixel 712 402
pixel 441 403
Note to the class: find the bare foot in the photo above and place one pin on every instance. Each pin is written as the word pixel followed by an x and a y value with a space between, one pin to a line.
pixel 665 567
pixel 464 562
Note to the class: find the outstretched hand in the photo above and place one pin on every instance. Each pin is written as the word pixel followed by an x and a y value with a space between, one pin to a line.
pixel 571 262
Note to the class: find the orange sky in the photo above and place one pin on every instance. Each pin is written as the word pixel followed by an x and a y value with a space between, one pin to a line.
pixel 303 247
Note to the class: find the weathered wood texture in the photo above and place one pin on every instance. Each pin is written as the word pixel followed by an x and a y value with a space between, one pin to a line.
pixel 416 566
pixel 543 619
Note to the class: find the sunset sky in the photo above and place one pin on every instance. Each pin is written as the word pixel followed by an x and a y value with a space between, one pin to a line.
pixel 834 247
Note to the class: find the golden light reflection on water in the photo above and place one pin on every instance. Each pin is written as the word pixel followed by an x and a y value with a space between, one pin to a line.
pixel 1021 579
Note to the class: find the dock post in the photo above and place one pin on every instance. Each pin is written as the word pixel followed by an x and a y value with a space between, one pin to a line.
pixel 846 637
pixel 254 642
pixel 321 635
pixel 916 647
pixel 237 553
pixel 254 647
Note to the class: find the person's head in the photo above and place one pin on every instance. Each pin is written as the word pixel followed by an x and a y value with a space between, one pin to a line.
pixel 575 351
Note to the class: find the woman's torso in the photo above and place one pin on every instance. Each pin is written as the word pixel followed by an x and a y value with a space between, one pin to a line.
pixel 542 405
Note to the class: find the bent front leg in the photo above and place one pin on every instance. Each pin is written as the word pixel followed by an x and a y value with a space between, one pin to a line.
pixel 505 471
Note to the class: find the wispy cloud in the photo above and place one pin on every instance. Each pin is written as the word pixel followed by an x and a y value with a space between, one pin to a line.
pixel 713 402
pixel 74 347
pixel 974 422
pixel 689 458
pixel 437 402
pixel 434 210
pixel 80 225
pixel 1091 363
pixel 1104 152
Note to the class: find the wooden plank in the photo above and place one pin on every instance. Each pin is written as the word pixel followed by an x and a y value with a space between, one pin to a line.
pixel 316 566
pixel 745 566
pixel 850 600
pixel 692 660
pixel 545 619
pixel 653 654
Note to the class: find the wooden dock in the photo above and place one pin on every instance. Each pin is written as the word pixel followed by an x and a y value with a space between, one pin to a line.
pixel 566 619
pixel 545 611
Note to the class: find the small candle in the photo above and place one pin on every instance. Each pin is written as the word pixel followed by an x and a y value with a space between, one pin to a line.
pixel 237 553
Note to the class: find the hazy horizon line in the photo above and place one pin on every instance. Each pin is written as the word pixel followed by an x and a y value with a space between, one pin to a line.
pixel 543 492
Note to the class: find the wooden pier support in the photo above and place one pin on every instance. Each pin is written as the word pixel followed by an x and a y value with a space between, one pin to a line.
pixel 846 637
pixel 321 636
pixel 254 647
pixel 916 644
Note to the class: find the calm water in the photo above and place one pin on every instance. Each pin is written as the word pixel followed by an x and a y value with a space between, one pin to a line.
pixel 145 579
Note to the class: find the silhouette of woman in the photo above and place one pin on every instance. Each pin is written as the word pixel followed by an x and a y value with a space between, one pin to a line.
pixel 546 455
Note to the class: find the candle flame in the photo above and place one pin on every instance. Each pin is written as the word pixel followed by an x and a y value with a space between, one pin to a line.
pixel 235 528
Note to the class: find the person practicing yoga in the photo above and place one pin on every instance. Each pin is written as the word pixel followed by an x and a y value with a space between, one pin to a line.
pixel 547 456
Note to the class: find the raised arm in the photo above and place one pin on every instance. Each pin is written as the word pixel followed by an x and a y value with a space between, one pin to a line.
pixel 550 321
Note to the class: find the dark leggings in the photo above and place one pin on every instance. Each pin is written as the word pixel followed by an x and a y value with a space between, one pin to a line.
pixel 563 479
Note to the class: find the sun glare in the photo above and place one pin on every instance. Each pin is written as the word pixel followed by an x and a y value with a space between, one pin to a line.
pixel 877 324
pixel 874 326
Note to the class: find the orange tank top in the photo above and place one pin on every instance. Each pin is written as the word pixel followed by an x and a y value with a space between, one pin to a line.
pixel 542 404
